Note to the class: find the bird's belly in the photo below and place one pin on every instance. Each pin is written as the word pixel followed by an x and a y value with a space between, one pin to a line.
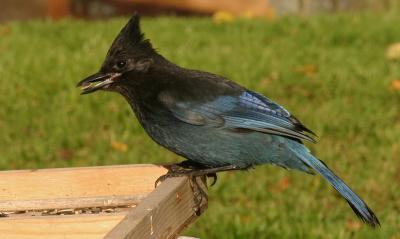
pixel 215 147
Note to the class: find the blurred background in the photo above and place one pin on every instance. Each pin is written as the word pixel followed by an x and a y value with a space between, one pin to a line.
pixel 335 64
pixel 55 9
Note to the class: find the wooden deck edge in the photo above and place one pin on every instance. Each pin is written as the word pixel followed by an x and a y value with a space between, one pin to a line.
pixel 164 213
pixel 123 195
pixel 59 227
pixel 80 182
pixel 91 168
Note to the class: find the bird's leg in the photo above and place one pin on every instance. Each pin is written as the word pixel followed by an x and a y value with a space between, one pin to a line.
pixel 173 172
pixel 209 172
pixel 198 190
pixel 199 194
pixel 192 173
pixel 189 164
pixel 212 171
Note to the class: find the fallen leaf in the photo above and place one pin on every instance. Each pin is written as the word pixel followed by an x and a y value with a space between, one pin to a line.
pixel 5 30
pixel 395 85
pixel 307 70
pixel 393 51
pixel 353 225
pixel 223 16
pixel 281 185
pixel 65 154
pixel 119 146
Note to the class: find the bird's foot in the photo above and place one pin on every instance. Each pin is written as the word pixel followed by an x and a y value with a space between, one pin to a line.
pixel 173 172
pixel 178 171
pixel 193 174
pixel 198 192
pixel 182 173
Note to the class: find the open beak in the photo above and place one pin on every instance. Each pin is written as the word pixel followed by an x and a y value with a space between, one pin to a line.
pixel 97 81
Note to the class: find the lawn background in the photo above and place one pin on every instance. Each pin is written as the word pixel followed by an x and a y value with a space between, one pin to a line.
pixel 329 70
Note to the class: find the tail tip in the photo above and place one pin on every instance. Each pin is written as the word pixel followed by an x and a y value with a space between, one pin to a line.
pixel 367 216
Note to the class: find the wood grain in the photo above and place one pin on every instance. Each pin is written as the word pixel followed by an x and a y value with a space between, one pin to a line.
pixel 159 213
pixel 59 203
pixel 164 213
pixel 59 227
pixel 78 182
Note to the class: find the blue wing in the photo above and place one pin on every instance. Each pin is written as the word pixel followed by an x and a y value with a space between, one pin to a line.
pixel 249 110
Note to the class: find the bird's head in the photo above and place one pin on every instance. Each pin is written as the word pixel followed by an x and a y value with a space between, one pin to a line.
pixel 129 53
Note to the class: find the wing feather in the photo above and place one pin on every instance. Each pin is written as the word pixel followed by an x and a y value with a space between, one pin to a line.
pixel 247 111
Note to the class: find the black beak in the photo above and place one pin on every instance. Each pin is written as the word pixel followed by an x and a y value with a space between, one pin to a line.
pixel 97 81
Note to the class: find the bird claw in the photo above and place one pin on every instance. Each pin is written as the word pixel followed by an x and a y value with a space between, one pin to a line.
pixel 160 179
pixel 168 175
pixel 198 191
pixel 214 178
pixel 177 171
pixel 185 173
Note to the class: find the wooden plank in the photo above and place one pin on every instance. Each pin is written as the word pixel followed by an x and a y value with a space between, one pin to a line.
pixel 78 182
pixel 59 203
pixel 59 227
pixel 163 214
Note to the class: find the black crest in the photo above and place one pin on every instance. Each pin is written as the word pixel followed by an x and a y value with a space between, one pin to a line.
pixel 132 30
pixel 131 34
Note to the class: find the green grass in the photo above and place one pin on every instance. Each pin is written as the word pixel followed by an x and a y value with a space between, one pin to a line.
pixel 345 99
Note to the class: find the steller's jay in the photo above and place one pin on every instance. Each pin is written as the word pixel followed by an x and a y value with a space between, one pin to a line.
pixel 216 124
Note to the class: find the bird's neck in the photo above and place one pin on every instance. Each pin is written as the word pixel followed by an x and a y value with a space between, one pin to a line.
pixel 142 95
pixel 142 92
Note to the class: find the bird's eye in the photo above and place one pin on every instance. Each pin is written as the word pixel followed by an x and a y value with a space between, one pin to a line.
pixel 121 64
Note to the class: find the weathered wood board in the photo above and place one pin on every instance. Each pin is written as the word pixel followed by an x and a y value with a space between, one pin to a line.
pixel 96 202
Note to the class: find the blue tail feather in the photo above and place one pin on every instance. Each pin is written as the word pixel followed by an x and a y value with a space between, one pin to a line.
pixel 356 203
